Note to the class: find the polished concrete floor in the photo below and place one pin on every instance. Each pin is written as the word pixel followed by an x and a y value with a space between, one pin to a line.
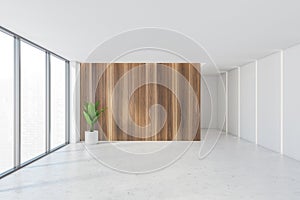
pixel 234 169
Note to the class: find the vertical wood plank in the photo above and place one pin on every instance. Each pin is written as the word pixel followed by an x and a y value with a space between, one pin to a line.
pixel 100 88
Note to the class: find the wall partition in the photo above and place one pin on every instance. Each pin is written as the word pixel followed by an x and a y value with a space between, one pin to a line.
pixel 34 112
pixel 248 102
pixel 269 105
pixel 269 102
pixel 213 101
pixel 143 101
pixel 209 103
pixel 233 102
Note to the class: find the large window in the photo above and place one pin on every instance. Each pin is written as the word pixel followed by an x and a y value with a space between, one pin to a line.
pixel 6 102
pixel 58 100
pixel 33 102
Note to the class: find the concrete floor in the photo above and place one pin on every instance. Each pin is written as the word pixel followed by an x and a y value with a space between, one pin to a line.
pixel 235 169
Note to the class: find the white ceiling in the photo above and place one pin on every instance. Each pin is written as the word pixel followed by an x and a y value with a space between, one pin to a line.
pixel 234 32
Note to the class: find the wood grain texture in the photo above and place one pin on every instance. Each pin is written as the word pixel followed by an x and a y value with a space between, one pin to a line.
pixel 98 82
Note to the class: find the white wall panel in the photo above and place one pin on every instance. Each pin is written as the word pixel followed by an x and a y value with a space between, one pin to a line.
pixel 209 101
pixel 291 102
pixel 269 102
pixel 221 101
pixel 233 102
pixel 247 98
pixel 75 110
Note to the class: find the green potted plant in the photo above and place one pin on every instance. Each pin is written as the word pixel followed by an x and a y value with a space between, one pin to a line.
pixel 91 115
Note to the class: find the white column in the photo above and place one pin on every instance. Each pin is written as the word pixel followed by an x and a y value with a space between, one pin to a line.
pixel 74 102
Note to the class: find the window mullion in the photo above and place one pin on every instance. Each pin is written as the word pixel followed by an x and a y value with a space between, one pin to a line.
pixel 17 100
pixel 48 96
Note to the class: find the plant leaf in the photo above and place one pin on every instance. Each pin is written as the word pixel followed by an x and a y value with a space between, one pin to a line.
pixel 91 110
pixel 102 110
pixel 96 104
pixel 95 120
pixel 87 118
pixel 85 106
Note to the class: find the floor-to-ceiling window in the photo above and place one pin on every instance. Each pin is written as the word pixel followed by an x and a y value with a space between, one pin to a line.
pixel 33 102
pixel 6 102
pixel 58 101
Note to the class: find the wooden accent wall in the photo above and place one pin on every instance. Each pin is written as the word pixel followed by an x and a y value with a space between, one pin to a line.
pixel 98 81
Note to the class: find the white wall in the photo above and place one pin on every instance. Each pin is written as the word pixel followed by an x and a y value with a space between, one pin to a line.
pixel 74 102
pixel 209 101
pixel 233 102
pixel 269 102
pixel 213 101
pixel 291 102
pixel 248 102
pixel 278 102
pixel 222 101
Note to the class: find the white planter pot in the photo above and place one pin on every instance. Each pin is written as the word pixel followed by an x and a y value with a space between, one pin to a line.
pixel 91 137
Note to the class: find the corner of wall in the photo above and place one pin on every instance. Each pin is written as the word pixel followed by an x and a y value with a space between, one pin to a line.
pixel 74 102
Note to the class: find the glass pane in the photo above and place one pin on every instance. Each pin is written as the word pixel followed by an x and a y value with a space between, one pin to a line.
pixel 33 103
pixel 6 102
pixel 58 95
